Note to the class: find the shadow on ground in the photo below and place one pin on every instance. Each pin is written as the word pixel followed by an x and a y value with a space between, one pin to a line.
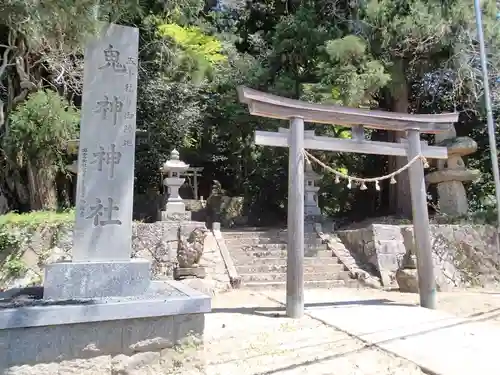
pixel 279 311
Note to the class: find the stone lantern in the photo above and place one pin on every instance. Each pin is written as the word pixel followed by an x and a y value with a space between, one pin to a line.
pixel 452 173
pixel 175 208
pixel 311 207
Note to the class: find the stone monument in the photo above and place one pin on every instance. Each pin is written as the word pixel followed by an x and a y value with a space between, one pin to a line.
pixel 311 207
pixel 100 312
pixel 102 235
pixel 451 174
pixel 175 209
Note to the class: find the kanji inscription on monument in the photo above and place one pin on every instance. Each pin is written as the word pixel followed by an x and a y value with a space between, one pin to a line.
pixel 110 158
pixel 106 106
pixel 98 210
pixel 107 143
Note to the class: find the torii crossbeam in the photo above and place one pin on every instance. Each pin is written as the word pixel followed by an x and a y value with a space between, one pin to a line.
pixel 298 112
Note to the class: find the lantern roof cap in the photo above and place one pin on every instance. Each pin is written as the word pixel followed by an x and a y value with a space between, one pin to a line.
pixel 174 163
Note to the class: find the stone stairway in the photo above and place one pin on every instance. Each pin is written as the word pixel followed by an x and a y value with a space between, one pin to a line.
pixel 259 256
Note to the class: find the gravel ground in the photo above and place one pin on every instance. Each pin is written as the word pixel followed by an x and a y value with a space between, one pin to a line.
pixel 467 303
pixel 247 334
pixel 464 303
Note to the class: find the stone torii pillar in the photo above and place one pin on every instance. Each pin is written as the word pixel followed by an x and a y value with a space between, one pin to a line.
pixel 298 112
pixel 311 208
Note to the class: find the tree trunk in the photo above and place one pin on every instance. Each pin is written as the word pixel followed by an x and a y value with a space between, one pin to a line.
pixel 4 203
pixel 400 199
pixel 64 190
pixel 42 185
pixel 14 189
pixel 13 186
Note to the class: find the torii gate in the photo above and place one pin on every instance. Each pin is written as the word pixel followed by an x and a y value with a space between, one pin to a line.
pixel 298 112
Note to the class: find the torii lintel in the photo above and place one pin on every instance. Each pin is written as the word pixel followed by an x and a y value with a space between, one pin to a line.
pixel 273 106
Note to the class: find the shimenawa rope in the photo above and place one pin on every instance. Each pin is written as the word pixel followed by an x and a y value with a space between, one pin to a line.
pixel 363 181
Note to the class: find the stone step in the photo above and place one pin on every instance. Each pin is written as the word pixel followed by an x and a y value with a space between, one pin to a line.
pixel 256 234
pixel 267 240
pixel 253 229
pixel 311 276
pixel 277 234
pixel 253 234
pixel 270 267
pixel 251 261
pixel 325 284
pixel 274 253
pixel 259 246
pixel 274 246
pixel 230 241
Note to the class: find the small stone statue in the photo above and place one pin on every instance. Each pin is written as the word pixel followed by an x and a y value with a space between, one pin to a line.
pixel 214 202
pixel 217 188
pixel 407 274
pixel 190 250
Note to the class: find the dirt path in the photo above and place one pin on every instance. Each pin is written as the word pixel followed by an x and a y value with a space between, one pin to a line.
pixel 247 334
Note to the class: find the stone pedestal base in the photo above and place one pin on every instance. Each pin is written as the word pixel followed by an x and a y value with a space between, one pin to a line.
pixel 181 273
pixel 79 280
pixel 175 216
pixel 175 206
pixel 110 336
pixel 407 280
pixel 175 211
pixel 312 210
pixel 452 198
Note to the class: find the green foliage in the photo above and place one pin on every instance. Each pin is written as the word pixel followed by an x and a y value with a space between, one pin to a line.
pixel 419 55
pixel 172 115
pixel 347 49
pixel 14 267
pixel 35 219
pixel 16 231
pixel 41 126
pixel 180 11
pixel 197 52
pixel 485 216
pixel 296 45
pixel 62 23
pixel 352 75
pixel 420 39
pixel 194 41
pixel 402 28
pixel 8 240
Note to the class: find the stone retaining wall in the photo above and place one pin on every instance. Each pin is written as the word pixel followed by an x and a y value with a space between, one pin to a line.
pixel 464 255
pixel 154 241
